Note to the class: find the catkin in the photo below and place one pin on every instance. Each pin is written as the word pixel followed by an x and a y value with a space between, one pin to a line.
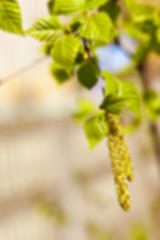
pixel 120 159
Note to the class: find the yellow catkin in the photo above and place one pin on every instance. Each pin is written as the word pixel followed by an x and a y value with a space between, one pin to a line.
pixel 120 159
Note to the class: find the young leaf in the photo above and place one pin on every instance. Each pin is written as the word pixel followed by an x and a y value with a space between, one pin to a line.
pixel 113 103
pixel 91 4
pixel 59 73
pixel 130 93
pixel 87 74
pixel 84 109
pixel 46 29
pixel 66 7
pixel 97 27
pixel 96 129
pixel 10 17
pixel 66 50
pixel 112 84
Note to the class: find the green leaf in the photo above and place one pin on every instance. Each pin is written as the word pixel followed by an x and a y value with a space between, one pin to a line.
pixel 47 48
pixel 112 84
pixel 130 93
pixel 65 51
pixel 113 103
pixel 97 27
pixel 126 90
pixel 46 29
pixel 10 17
pixel 66 7
pixel 91 4
pixel 84 109
pixel 140 12
pixel 152 104
pixel 112 9
pixel 76 22
pixel 96 129
pixel 59 73
pixel 87 74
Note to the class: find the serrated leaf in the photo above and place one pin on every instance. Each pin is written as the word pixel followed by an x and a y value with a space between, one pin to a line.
pixel 113 103
pixel 112 84
pixel 84 109
pixel 91 4
pixel 66 7
pixel 97 27
pixel 96 129
pixel 59 73
pixel 130 93
pixel 87 74
pixel 65 50
pixel 10 17
pixel 152 104
pixel 46 29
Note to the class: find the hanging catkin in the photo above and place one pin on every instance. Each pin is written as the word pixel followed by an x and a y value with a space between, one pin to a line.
pixel 120 158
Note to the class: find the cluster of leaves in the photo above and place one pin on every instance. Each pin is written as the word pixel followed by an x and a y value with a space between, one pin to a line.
pixel 72 47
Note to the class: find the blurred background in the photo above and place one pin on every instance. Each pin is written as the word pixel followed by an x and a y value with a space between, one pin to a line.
pixel 51 185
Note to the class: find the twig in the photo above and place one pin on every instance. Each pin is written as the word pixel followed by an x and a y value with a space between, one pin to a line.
pixel 23 70
pixel 152 125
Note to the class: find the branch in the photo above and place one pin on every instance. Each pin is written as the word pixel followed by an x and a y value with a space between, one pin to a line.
pixel 23 70
pixel 153 128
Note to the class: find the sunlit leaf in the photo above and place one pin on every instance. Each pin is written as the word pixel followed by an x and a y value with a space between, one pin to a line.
pixel 96 129
pixel 129 91
pixel 10 16
pixel 46 29
pixel 97 27
pixel 91 4
pixel 84 109
pixel 113 103
pixel 66 7
pixel 66 50
pixel 112 84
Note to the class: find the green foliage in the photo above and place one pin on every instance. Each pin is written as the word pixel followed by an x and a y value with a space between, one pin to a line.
pixel 66 50
pixel 91 4
pixel 66 7
pixel 96 128
pixel 125 91
pixel 112 9
pixel 112 84
pixel 113 103
pixel 85 109
pixel 46 29
pixel 152 104
pixel 87 74
pixel 59 73
pixel 10 17
pixel 140 12
pixel 98 27
pixel 130 93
